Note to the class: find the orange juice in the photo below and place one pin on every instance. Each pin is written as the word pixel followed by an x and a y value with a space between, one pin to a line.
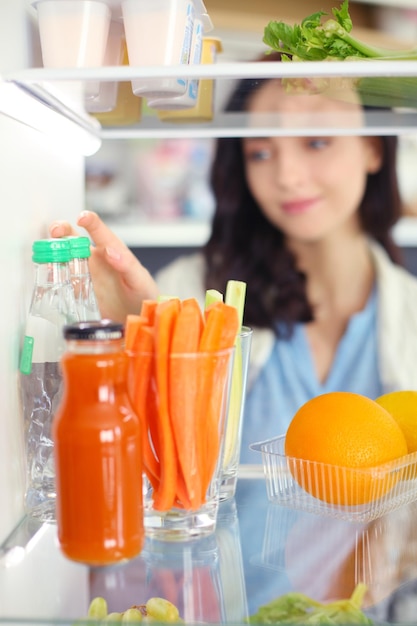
pixel 98 450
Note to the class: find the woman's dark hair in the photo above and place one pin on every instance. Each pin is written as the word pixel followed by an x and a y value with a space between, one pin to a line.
pixel 245 246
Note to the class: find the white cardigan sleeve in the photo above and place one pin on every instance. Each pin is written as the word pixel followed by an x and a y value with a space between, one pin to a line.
pixel 397 323
pixel 183 278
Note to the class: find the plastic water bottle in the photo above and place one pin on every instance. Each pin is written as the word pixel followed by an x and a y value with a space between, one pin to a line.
pixel 52 306
pixel 85 297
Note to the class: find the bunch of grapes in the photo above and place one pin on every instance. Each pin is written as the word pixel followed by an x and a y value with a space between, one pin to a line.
pixel 154 610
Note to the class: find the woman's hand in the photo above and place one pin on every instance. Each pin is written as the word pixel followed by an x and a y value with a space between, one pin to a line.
pixel 120 280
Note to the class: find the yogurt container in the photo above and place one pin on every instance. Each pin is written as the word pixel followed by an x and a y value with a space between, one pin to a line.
pixel 202 25
pixel 203 109
pixel 73 33
pixel 106 97
pixel 158 33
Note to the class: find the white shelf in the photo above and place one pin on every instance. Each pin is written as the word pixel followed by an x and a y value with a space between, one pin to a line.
pixel 395 4
pixel 185 233
pixel 179 232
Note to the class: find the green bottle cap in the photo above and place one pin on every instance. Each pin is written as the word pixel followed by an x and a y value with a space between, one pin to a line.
pixel 51 251
pixel 80 247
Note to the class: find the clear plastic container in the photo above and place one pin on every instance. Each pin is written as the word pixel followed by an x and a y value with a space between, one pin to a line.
pixel 327 489
pixel 73 33
pixel 203 110
pixel 189 98
pixel 158 32
pixel 202 25
pixel 106 97
pixel 128 108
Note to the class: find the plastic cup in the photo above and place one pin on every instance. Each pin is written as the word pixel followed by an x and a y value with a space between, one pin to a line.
pixel 182 458
pixel 128 108
pixel 106 97
pixel 189 98
pixel 158 32
pixel 73 33
pixel 203 109
pixel 234 422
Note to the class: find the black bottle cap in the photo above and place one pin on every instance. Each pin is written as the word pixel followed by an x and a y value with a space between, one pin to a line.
pixel 102 330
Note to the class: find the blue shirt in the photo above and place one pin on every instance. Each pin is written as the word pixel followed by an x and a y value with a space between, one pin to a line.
pixel 288 379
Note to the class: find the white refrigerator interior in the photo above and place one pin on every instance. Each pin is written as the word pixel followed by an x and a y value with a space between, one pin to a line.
pixel 40 181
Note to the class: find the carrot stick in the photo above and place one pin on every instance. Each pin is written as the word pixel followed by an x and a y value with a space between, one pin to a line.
pixel 219 334
pixel 214 412
pixel 165 315
pixel 142 356
pixel 153 411
pixel 222 323
pixel 182 500
pixel 131 326
pixel 183 381
pixel 148 309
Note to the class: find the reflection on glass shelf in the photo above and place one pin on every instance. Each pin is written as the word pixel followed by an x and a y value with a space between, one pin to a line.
pixel 273 124
pixel 379 83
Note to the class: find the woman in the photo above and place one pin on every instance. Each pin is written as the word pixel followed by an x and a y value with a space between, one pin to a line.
pixel 305 222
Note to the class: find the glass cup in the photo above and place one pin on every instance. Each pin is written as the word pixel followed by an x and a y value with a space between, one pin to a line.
pixel 234 423
pixel 183 411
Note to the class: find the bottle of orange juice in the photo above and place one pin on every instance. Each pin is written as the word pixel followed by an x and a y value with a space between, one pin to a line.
pixel 98 449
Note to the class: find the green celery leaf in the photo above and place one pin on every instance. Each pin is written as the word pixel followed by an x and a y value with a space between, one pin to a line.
pixel 342 16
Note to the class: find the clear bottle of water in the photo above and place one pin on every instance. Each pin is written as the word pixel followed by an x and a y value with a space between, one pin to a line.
pixel 52 306
pixel 85 297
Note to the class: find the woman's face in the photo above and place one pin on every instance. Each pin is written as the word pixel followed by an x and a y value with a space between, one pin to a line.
pixel 308 187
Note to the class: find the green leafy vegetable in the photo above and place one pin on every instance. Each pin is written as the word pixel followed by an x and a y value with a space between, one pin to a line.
pixel 297 608
pixel 317 39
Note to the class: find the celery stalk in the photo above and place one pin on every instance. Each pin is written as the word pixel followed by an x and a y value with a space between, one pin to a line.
pixel 165 297
pixel 212 296
pixel 317 39
pixel 235 296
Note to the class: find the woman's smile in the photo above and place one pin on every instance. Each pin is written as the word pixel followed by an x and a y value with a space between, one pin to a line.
pixel 298 206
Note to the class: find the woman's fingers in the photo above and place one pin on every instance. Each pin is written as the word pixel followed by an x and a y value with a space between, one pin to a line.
pixel 120 280
pixel 62 229
pixel 101 235
pixel 111 250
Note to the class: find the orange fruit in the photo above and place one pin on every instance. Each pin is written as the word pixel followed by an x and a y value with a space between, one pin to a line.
pixel 402 405
pixel 343 435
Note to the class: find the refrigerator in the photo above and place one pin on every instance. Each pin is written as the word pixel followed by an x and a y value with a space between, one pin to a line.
pixel 40 180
